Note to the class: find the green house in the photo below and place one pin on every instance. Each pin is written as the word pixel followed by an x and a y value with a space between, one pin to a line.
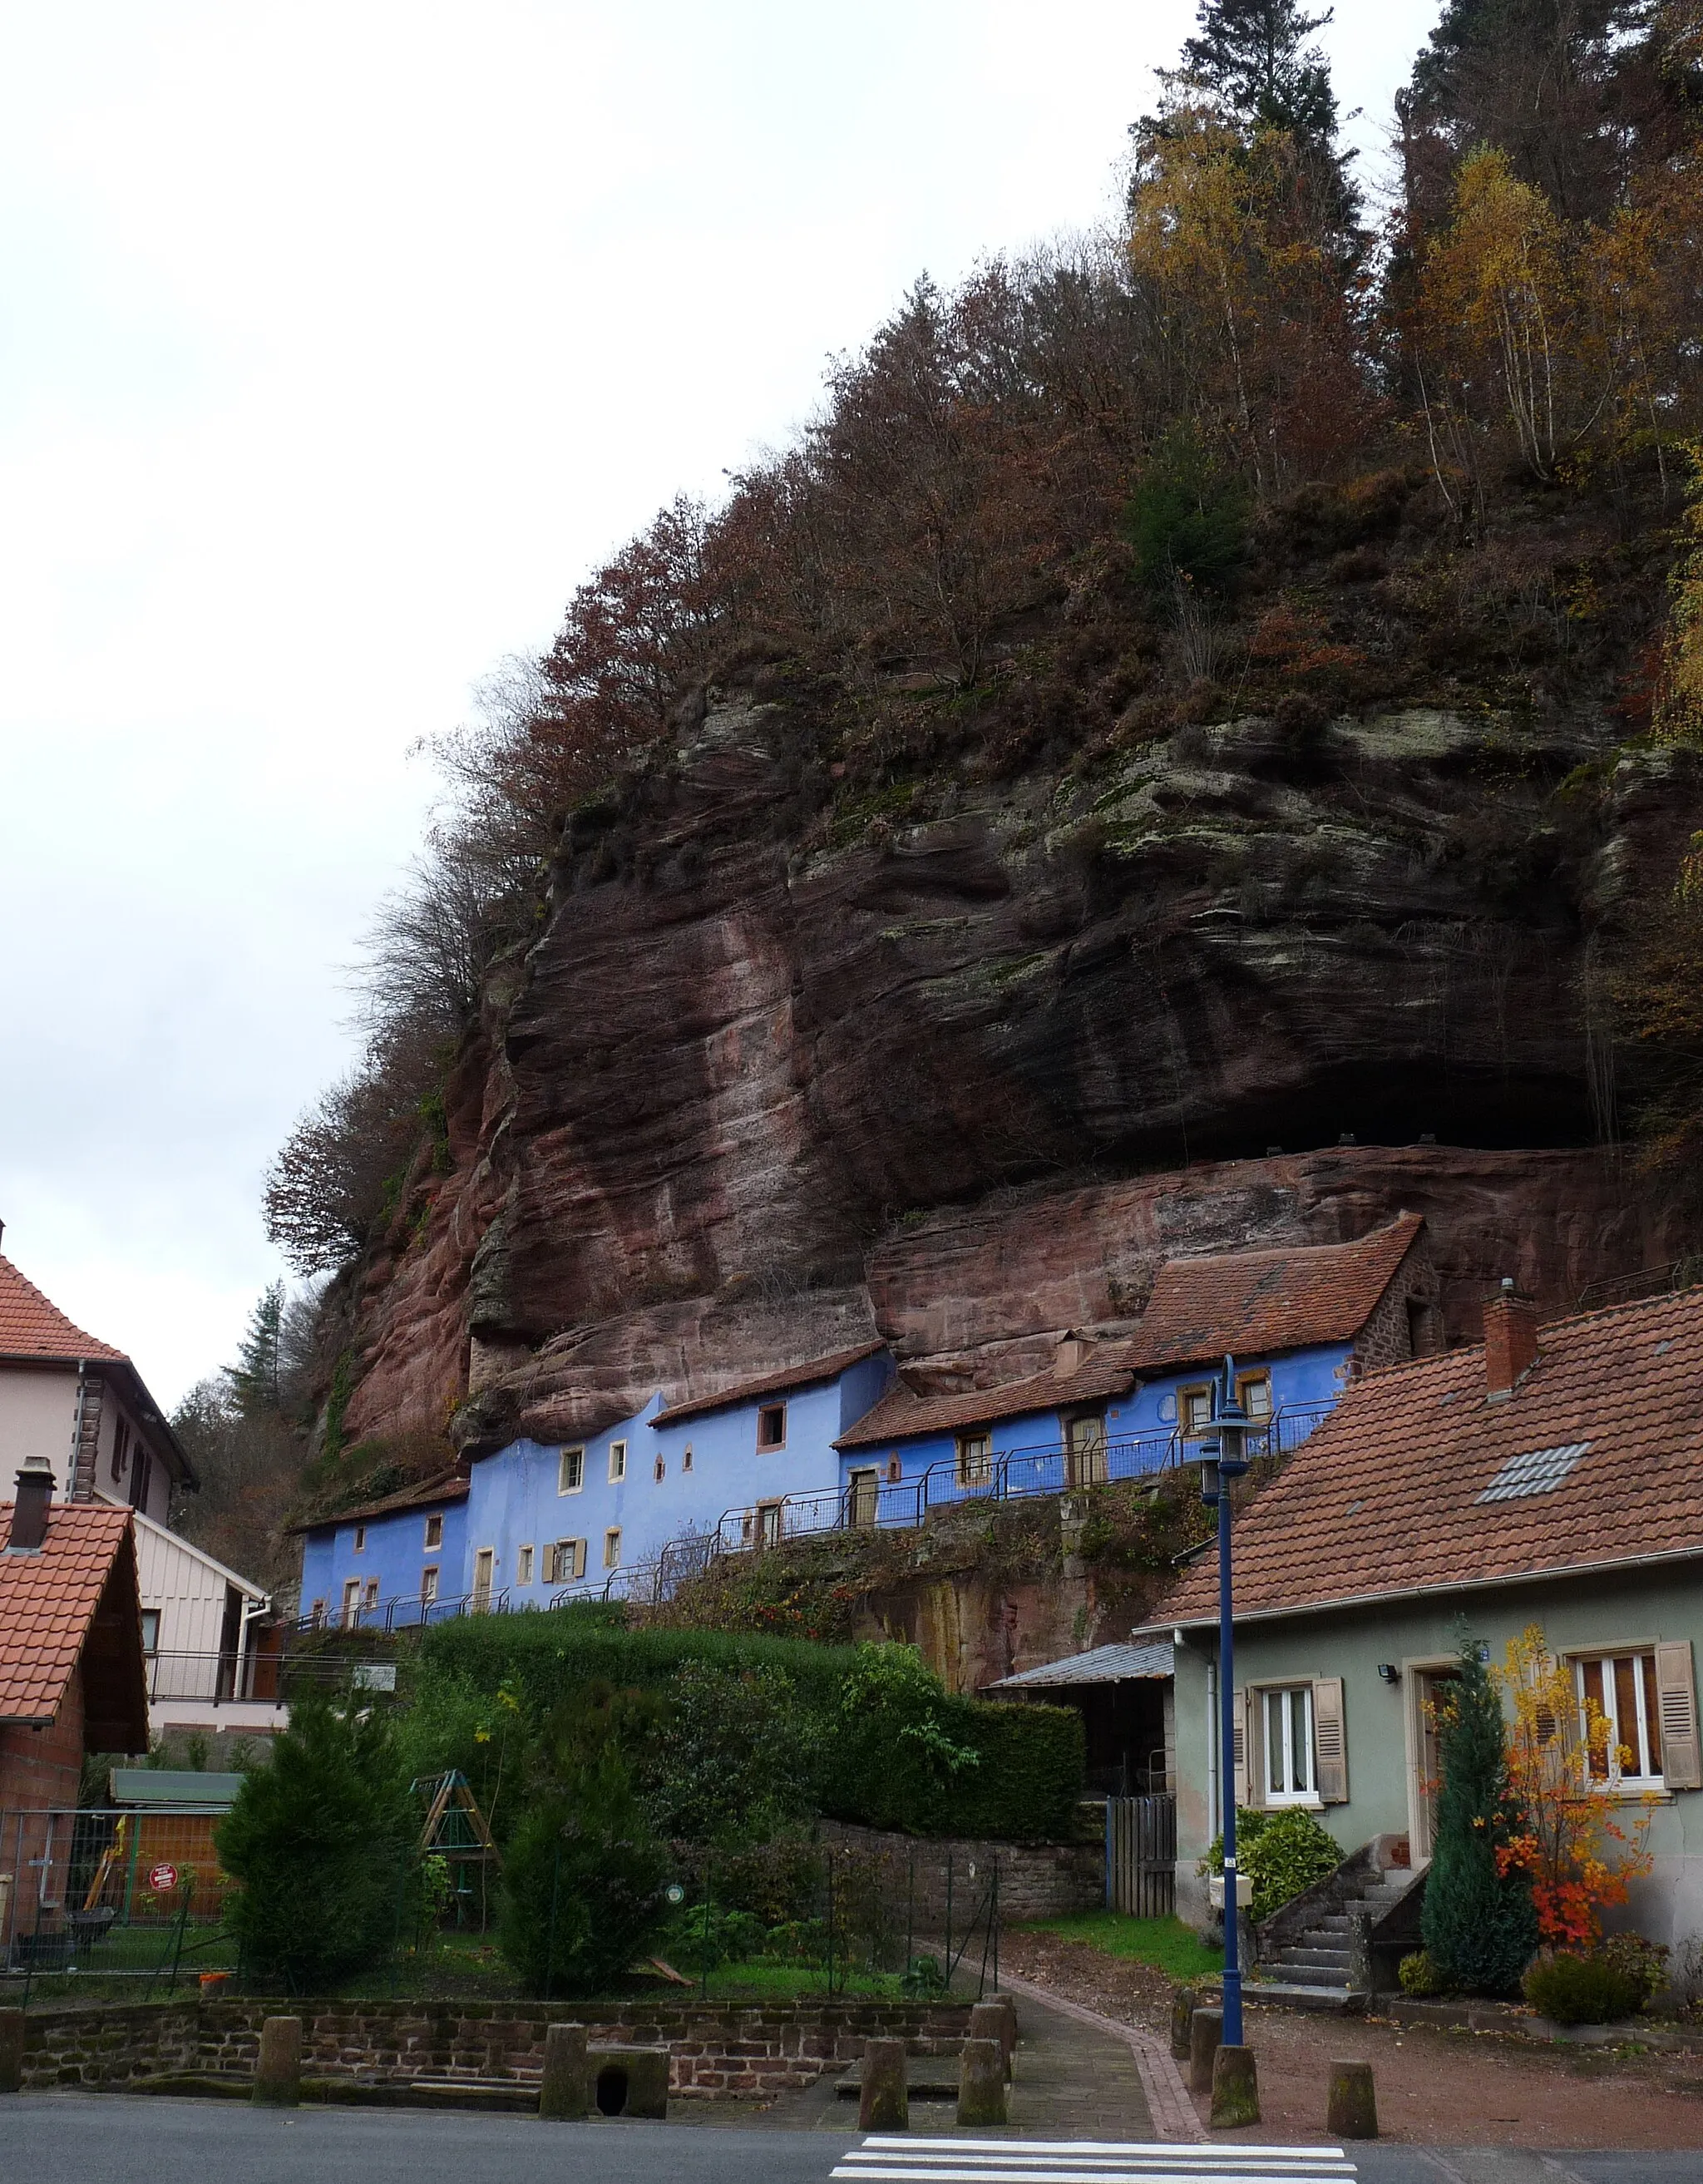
pixel 1552 1477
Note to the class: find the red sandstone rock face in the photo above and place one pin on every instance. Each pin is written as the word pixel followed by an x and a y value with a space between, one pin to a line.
pixel 737 1108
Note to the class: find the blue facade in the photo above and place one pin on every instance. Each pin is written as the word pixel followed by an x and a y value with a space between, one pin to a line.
pixel 386 1558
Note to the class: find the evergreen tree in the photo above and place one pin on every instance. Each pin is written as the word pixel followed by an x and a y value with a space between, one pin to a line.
pixel 583 1882
pixel 1253 56
pixel 1480 1925
pixel 255 1377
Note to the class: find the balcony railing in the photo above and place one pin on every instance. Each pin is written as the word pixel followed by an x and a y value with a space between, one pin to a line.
pixel 405 1611
pixel 256 1679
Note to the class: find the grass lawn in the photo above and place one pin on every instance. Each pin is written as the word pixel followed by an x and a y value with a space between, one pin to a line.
pixel 1166 1944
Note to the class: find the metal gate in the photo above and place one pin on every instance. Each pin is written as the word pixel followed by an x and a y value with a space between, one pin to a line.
pixel 1141 1856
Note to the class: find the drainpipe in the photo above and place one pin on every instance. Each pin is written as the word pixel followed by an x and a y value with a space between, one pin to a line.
pixel 251 1610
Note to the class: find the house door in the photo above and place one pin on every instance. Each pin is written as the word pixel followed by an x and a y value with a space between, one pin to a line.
pixel 1430 1688
pixel 1085 1445
pixel 862 1497
pixel 768 1523
pixel 484 1568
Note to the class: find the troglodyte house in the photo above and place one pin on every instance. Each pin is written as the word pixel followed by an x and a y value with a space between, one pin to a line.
pixel 1551 1476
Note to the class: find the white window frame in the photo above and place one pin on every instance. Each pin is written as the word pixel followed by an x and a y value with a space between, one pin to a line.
pixel 370 1594
pixel 523 1565
pixel 617 1463
pixel 433 1540
pixel 571 1471
pixel 1188 1430
pixel 352 1602
pixel 1285 1694
pixel 612 1547
pixel 1618 1782
pixel 767 1411
pixel 485 1580
pixel 1259 1379
pixel 428 1585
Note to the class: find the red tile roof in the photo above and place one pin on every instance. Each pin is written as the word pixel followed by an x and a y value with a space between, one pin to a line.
pixel 47 1601
pixel 1405 1487
pixel 1259 1303
pixel 901 1414
pixel 31 1327
pixel 770 1383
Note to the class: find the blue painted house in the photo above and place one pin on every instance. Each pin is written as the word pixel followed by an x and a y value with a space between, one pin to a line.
pixel 1300 1323
pixel 399 1559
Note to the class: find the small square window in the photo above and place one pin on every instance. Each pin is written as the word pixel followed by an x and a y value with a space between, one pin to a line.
pixel 686 1457
pixel 612 1547
pixel 617 1462
pixel 571 1472
pixel 360 1538
pixel 661 1469
pixel 772 1425
pixel 523 1566
pixel 434 1532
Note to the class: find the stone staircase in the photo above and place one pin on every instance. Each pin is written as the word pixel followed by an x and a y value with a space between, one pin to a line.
pixel 1314 1967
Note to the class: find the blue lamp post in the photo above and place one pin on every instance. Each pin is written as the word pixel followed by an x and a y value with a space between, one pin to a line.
pixel 1222 1461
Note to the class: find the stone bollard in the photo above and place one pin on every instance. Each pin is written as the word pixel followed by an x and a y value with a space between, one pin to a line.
pixel 884 2096
pixel 1235 2088
pixel 1360 1970
pixel 11 2051
pixel 995 2020
pixel 981 2085
pixel 565 2090
pixel 1206 2030
pixel 1183 2004
pixel 629 2082
pixel 1351 2107
pixel 278 2071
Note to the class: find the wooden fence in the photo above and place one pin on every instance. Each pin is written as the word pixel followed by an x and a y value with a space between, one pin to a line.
pixel 1141 1856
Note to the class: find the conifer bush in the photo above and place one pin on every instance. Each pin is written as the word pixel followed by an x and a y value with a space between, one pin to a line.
pixel 583 1878
pixel 1479 1924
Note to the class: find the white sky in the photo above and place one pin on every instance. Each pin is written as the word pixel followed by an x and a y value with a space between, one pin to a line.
pixel 337 342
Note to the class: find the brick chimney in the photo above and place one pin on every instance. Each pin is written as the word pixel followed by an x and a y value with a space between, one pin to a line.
pixel 1071 1356
pixel 1510 1340
pixel 30 1509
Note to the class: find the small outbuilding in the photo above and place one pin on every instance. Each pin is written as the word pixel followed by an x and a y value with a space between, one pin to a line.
pixel 1123 1695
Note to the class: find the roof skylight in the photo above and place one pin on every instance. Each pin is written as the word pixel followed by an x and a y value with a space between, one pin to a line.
pixel 1539 1472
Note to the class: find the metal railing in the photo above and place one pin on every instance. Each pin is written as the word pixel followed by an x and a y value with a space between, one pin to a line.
pixel 1651 1281
pixel 404 1611
pixel 259 1679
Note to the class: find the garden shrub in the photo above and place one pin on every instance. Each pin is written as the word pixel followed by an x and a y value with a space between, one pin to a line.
pixel 1479 1922
pixel 1572 1989
pixel 1281 1853
pixel 1419 1976
pixel 1643 1962
pixel 583 1880
pixel 735 1759
pixel 323 1842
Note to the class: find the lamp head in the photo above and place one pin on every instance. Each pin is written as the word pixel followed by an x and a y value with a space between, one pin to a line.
pixel 1233 1427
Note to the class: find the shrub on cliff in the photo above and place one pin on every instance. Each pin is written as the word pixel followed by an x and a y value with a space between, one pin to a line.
pixel 322 1841
pixel 1480 1925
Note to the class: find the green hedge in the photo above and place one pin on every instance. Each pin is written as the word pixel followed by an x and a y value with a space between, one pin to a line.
pixel 1028 1760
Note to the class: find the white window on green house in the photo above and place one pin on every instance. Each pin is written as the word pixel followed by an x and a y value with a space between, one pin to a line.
pixel 571 1472
pixel 1287 1731
pixel 523 1566
pixel 1619 1720
pixel 617 1462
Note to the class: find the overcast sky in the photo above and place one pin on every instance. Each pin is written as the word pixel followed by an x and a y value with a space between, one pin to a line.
pixel 336 343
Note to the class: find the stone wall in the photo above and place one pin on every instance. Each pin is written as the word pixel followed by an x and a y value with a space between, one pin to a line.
pixel 1036 1881
pixel 716 2049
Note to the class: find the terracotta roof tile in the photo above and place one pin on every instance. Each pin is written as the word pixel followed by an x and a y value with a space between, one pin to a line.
pixel 1389 1496
pixel 901 1414
pixel 770 1383
pixel 31 1327
pixel 48 1600
pixel 1258 1303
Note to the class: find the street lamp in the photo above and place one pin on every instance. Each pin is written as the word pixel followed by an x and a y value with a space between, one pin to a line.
pixel 1223 1462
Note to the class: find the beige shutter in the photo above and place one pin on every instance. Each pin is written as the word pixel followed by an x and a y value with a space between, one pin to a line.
pixel 1676 1697
pixel 1241 1727
pixel 1330 1740
pixel 579 1557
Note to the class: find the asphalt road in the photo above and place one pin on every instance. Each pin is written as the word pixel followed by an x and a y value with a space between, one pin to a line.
pixel 70 2139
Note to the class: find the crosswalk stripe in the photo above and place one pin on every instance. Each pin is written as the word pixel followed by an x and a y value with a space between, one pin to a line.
pixel 1200 2156
pixel 891 2161
pixel 1256 2172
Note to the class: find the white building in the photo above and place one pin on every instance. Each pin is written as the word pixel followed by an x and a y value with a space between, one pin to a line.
pixel 75 1400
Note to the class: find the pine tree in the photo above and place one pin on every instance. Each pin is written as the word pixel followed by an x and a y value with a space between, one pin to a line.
pixel 1479 1924
pixel 1253 55
pixel 254 1377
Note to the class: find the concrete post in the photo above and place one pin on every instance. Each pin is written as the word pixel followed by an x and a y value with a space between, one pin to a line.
pixel 1183 2004
pixel 565 2090
pixel 1235 2088
pixel 1360 1948
pixel 994 2020
pixel 1351 2106
pixel 1205 2031
pixel 11 2051
pixel 278 2072
pixel 981 2085
pixel 884 2098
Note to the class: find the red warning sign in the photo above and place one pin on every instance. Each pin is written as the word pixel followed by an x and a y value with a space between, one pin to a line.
pixel 162 1876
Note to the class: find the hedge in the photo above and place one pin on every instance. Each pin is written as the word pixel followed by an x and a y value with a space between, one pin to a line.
pixel 1029 1762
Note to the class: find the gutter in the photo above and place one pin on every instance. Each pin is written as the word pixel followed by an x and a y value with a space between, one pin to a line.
pixel 1430 1591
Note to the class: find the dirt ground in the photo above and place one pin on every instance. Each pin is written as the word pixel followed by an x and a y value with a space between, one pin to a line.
pixel 1434 2088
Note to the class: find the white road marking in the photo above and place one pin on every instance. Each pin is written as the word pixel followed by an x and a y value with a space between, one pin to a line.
pixel 895 2160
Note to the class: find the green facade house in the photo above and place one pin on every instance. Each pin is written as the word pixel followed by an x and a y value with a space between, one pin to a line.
pixel 1552 1476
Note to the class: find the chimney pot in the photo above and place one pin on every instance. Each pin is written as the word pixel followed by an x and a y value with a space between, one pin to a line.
pixel 35 1494
pixel 1510 1340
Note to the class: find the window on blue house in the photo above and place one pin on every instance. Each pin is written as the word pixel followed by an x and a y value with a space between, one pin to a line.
pixel 1253 1393
pixel 771 1426
pixel 661 1469
pixel 1194 1409
pixel 686 1457
pixel 617 1462
pixel 523 1566
pixel 360 1538
pixel 571 1474
pixel 434 1533
pixel 975 1459
pixel 612 1547
pixel 428 1585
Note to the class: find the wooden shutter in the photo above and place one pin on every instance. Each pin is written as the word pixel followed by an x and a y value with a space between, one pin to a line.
pixel 1241 1730
pixel 1330 1740
pixel 1676 1696
pixel 579 1558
